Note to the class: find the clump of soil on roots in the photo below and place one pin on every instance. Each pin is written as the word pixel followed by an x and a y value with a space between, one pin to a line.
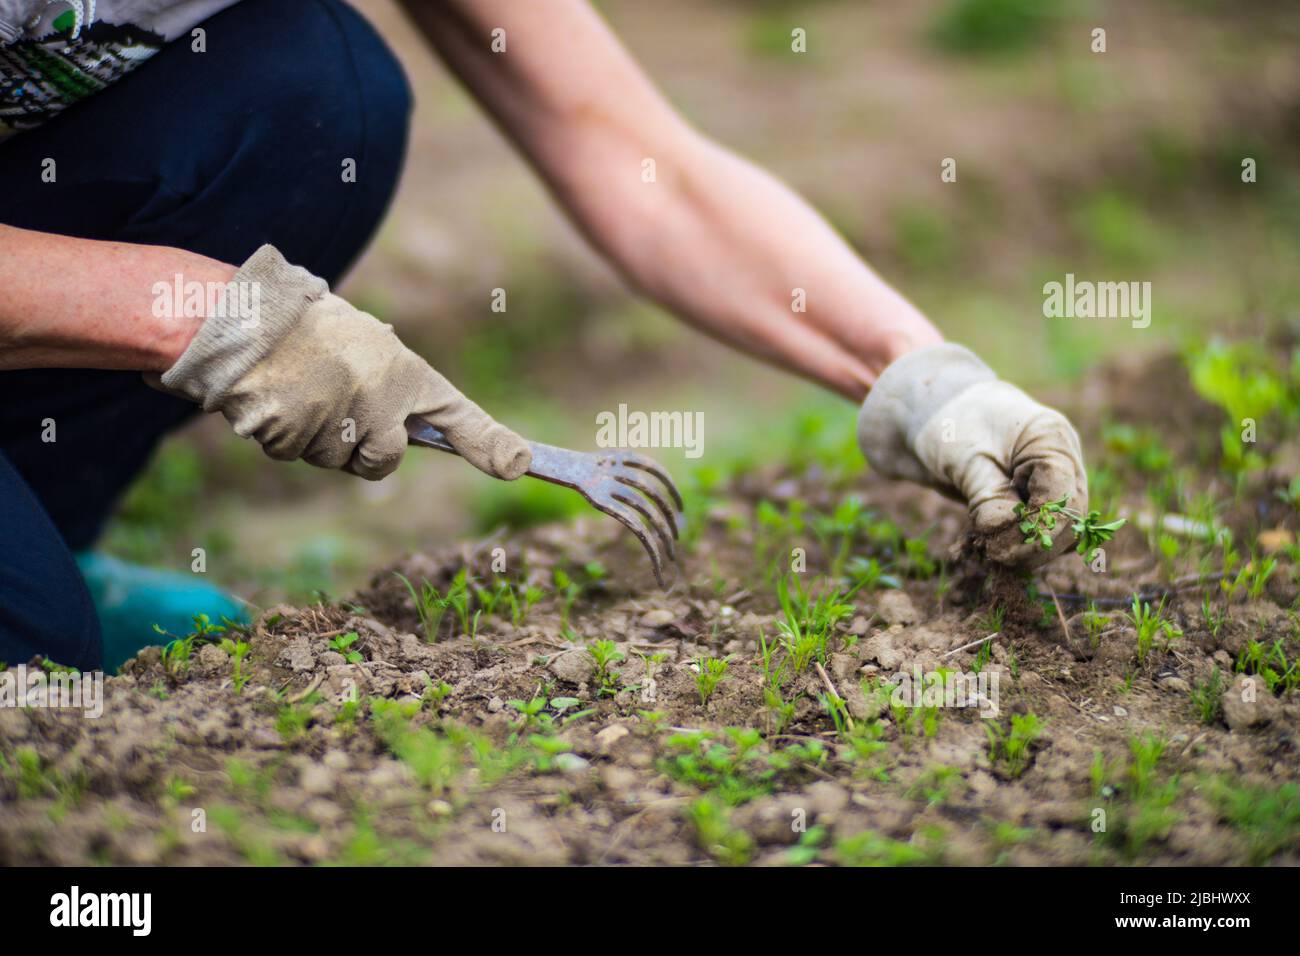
pixel 395 748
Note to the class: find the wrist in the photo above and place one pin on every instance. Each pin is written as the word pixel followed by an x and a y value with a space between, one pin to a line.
pixel 183 283
pixel 902 340
pixel 251 314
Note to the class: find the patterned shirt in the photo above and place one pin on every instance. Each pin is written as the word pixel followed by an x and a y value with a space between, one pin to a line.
pixel 56 52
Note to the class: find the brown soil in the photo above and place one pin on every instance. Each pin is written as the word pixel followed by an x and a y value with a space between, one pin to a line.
pixel 285 771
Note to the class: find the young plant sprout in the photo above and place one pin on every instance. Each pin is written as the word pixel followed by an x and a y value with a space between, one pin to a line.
pixel 342 645
pixel 1091 532
pixel 709 672
pixel 604 654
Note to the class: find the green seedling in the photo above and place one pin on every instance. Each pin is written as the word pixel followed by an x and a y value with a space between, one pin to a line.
pixel 430 606
pixel 991 620
pixel 1167 547
pixel 717 836
pixel 1291 493
pixel 176 657
pixel 1151 623
pixel 562 704
pixel 870 574
pixel 491 598
pixel 238 651
pixel 797 756
pixel 345 718
pixel 204 629
pixel 435 694
pixel 1142 808
pixel 460 599
pixel 1094 623
pixel 433 758
pixel 177 652
pixel 1089 530
pixel 521 599
pixel 1252 577
pixel 251 843
pixel 862 740
pixel 1140 448
pixel 177 790
pixel 550 754
pixel 916 561
pixel 774 530
pixel 808 624
pixel 1006 836
pixel 1207 697
pixel 937 784
pixel 869 848
pixel 568 590
pixel 294 719
pixel 807 850
pixel 342 642
pixel 654 720
pixel 917 719
pixel 531 712
pixel 651 662
pixel 836 531
pixel 779 710
pixel 734 769
pixel 534 716
pixel 1214 618
pixel 250 782
pixel 478 750
pixel 709 673
pixel 53 667
pixel 1269 662
pixel 1268 817
pixel 34 778
pixel 604 654
pixel 1015 746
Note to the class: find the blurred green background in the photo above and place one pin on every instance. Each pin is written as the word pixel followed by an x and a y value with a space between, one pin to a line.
pixel 1123 165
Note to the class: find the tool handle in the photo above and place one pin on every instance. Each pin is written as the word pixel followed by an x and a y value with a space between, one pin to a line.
pixel 556 465
pixel 419 432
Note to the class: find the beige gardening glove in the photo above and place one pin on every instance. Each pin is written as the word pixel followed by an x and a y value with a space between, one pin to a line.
pixel 309 376
pixel 940 417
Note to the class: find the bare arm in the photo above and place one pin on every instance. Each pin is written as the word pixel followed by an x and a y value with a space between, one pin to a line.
pixel 714 239
pixel 80 303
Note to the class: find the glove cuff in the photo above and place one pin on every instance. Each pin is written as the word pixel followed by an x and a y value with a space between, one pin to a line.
pixel 906 396
pixel 264 300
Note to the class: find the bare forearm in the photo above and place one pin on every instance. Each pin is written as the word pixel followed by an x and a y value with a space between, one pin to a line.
pixel 80 303
pixel 735 252
pixel 712 237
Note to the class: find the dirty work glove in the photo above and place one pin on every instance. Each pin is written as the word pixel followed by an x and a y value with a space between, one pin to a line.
pixel 312 377
pixel 940 417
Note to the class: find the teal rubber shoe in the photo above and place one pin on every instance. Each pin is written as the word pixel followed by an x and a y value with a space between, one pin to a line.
pixel 131 599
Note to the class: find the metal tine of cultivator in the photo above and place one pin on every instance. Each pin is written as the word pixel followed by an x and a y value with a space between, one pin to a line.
pixel 628 518
pixel 626 460
pixel 613 483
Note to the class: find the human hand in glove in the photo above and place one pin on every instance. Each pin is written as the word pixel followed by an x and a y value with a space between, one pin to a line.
pixel 314 378
pixel 940 417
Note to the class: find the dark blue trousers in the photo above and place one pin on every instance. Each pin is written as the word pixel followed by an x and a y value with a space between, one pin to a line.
pixel 215 152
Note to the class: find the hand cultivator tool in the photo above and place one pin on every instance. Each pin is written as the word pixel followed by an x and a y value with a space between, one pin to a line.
pixel 610 481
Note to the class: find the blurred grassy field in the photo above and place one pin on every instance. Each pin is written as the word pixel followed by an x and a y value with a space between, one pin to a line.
pixel 1123 165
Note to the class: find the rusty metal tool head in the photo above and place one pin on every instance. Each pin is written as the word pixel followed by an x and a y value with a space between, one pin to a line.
pixel 614 482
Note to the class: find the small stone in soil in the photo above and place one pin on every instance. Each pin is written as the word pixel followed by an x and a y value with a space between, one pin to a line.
pixel 895 607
